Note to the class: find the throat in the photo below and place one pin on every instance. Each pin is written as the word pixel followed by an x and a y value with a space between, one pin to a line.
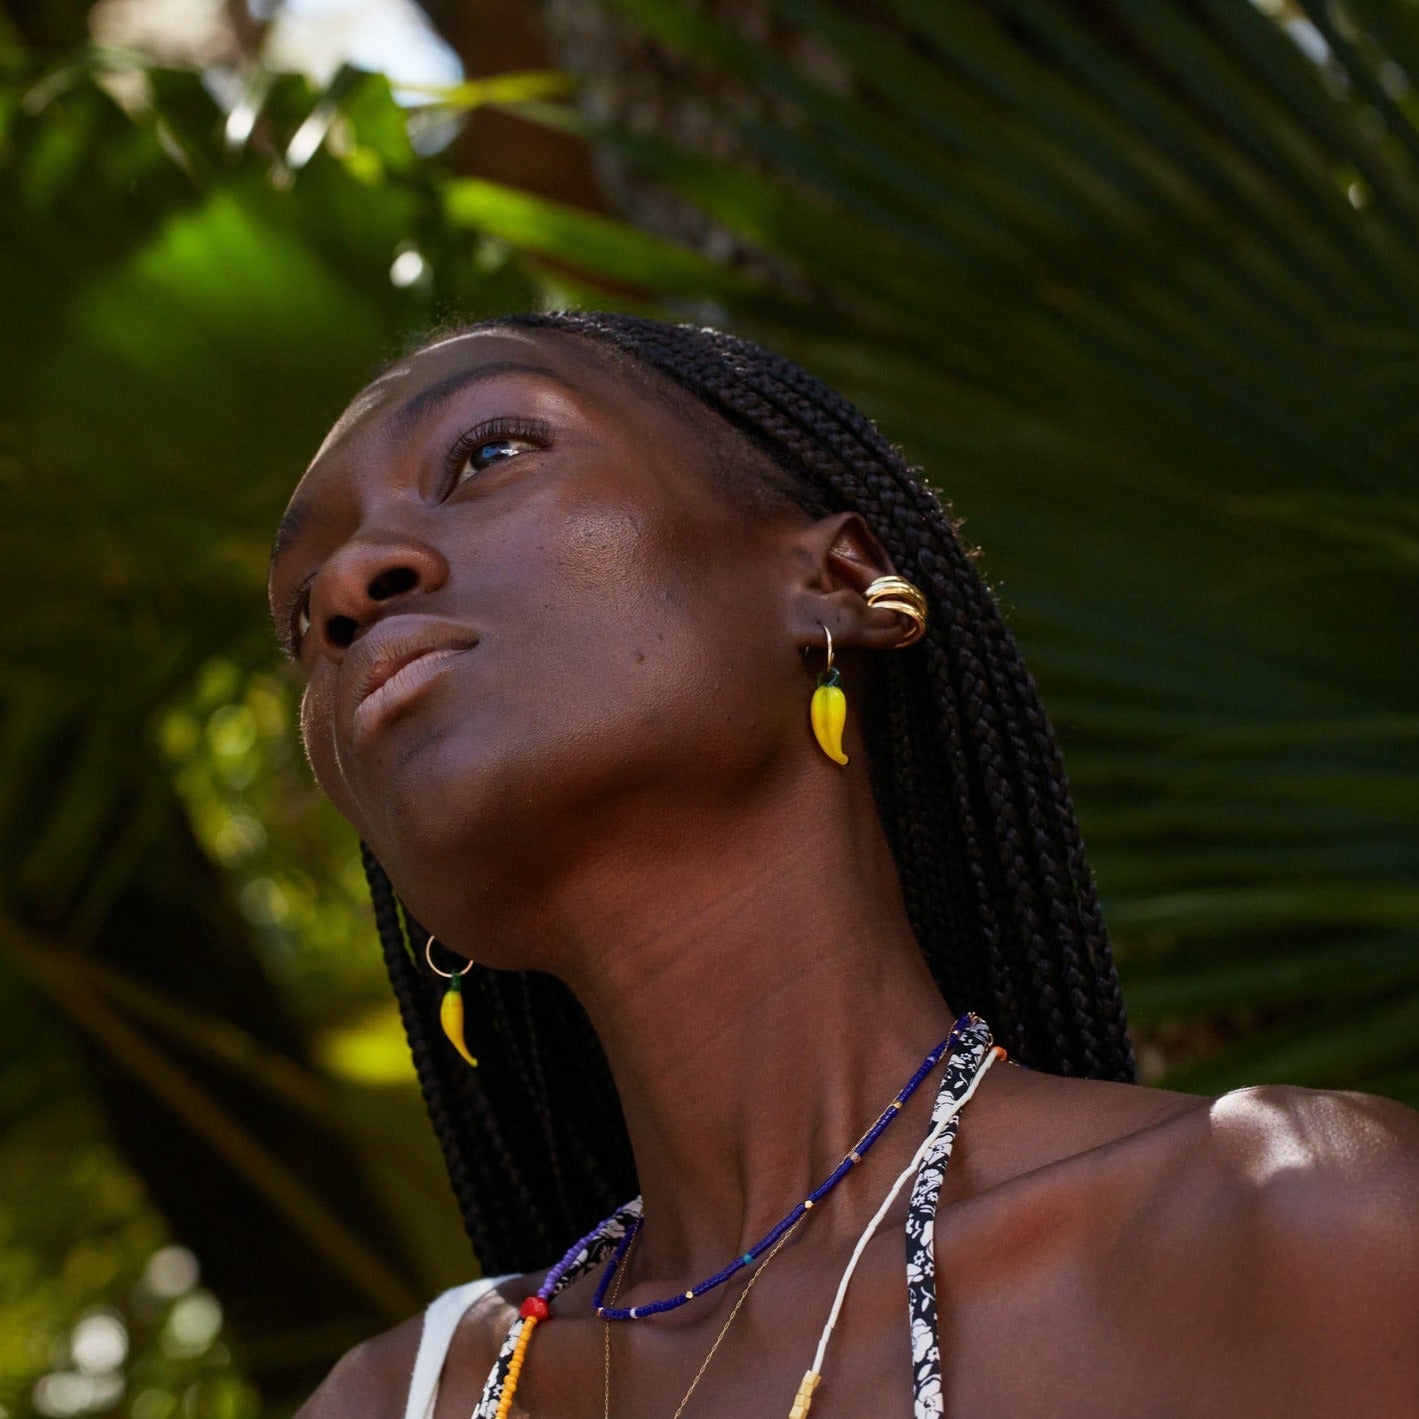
pixel 963 1070
pixel 759 1253
pixel 756 1033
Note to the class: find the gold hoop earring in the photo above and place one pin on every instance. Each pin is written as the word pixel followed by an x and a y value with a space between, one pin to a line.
pixel 896 593
pixel 451 1007
pixel 828 708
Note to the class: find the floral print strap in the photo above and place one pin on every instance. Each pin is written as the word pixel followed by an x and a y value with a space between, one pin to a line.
pixel 921 1225
pixel 596 1250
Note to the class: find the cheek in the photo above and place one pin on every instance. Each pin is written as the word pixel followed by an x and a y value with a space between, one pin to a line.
pixel 671 641
pixel 319 743
pixel 602 552
pixel 603 590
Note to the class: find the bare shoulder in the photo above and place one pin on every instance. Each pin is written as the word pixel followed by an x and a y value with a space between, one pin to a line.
pixel 1263 1243
pixel 371 1380
pixel 1331 1174
pixel 1281 1147
pixel 1305 1236
pixel 1320 1130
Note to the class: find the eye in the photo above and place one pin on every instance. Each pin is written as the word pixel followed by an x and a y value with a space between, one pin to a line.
pixel 492 441
pixel 293 622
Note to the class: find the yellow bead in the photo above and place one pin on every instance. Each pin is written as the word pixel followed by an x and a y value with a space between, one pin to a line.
pixel 804 1398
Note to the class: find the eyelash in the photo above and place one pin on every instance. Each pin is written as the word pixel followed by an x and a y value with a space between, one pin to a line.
pixel 295 603
pixel 533 431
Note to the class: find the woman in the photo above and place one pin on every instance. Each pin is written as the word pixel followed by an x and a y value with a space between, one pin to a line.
pixel 563 589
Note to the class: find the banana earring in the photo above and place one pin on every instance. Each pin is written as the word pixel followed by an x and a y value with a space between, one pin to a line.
pixel 828 709
pixel 451 1009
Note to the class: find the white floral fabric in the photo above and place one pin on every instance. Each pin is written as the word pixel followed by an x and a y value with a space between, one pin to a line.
pixel 597 1249
pixel 975 1043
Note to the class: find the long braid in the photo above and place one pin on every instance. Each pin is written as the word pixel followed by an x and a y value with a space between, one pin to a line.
pixel 874 475
pixel 497 1207
pixel 964 767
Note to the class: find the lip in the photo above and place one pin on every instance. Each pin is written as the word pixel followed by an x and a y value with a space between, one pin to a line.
pixel 395 662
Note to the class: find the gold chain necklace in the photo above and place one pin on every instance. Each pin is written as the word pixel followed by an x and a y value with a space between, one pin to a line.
pixel 724 1329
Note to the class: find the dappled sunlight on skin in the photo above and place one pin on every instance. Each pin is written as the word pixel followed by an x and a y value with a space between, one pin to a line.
pixel 1282 1132
pixel 1264 1133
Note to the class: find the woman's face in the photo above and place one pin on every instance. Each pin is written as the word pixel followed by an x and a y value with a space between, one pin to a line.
pixel 537 637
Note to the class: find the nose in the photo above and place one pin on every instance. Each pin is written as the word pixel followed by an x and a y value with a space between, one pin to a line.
pixel 357 584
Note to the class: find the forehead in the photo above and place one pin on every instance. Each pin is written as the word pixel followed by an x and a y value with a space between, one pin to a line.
pixel 604 388
pixel 402 393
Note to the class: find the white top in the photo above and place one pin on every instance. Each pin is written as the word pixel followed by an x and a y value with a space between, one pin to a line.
pixel 441 1318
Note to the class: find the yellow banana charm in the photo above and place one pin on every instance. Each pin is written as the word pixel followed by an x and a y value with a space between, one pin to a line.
pixel 828 712
pixel 451 1007
pixel 828 708
pixel 451 1017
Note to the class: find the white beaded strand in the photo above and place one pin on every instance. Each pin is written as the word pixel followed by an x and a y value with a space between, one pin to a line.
pixel 810 1380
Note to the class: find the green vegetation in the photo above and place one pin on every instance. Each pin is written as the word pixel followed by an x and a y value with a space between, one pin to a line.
pixel 1138 287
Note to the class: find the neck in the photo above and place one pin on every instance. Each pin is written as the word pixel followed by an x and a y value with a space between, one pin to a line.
pixel 759 1026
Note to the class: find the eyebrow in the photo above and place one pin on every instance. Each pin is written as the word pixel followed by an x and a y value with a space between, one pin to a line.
pixel 299 515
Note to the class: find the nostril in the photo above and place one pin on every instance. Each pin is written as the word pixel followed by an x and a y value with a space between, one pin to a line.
pixel 392 582
pixel 341 631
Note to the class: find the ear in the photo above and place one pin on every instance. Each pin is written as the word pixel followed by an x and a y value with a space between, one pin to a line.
pixel 839 557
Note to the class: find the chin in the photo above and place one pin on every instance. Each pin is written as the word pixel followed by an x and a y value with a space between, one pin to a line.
pixel 427 786
pixel 457 822
pixel 483 821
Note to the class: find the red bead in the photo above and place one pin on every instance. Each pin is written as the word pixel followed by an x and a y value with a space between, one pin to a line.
pixel 534 1307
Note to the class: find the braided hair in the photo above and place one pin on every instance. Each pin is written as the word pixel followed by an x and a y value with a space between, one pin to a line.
pixel 964 769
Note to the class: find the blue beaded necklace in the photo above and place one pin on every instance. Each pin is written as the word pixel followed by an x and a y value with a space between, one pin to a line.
pixel 852 1158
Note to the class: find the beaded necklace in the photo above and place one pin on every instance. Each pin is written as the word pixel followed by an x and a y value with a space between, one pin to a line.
pixel 719 1339
pixel 851 1159
pixel 615 1233
pixel 964 1073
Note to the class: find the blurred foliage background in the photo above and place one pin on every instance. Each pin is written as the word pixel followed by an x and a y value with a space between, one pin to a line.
pixel 1135 280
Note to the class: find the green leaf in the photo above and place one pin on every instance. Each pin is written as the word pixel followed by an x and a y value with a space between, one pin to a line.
pixel 595 246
